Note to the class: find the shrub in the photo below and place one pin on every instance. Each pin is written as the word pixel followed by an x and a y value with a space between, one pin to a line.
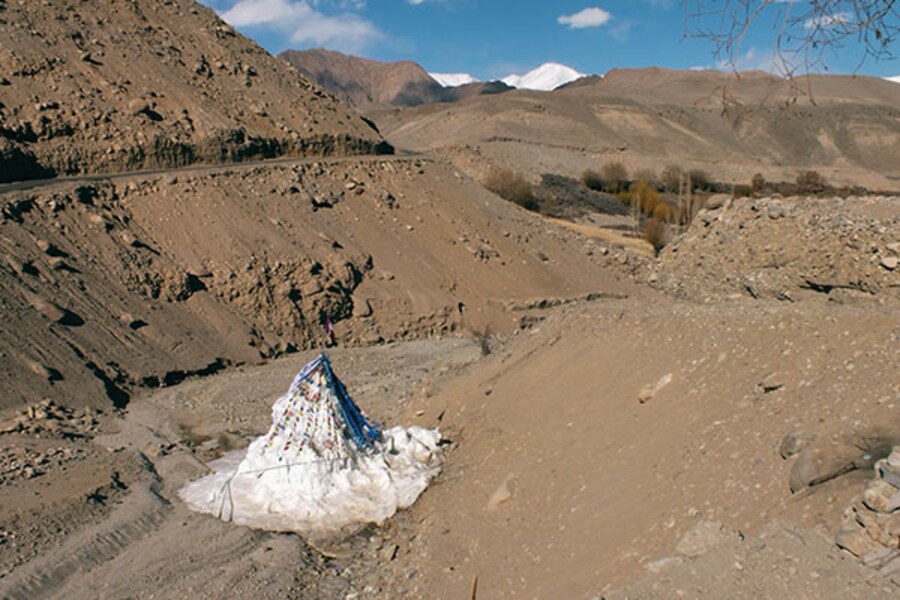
pixel 699 179
pixel 655 233
pixel 593 180
pixel 741 190
pixel 811 182
pixel 513 187
pixel 758 183
pixel 615 176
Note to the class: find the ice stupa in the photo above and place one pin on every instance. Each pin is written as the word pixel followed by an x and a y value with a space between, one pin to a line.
pixel 322 467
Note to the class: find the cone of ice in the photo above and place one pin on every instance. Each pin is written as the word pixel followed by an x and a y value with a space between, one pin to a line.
pixel 323 466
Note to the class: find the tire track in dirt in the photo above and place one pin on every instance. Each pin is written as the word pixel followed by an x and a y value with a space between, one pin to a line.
pixel 142 513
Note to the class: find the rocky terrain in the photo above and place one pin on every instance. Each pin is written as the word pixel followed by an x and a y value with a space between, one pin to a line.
pixel 706 423
pixel 789 249
pixel 367 84
pixel 730 126
pixel 71 100
pixel 871 527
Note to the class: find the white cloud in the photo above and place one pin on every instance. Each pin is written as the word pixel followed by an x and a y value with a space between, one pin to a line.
pixel 301 24
pixel 833 20
pixel 751 60
pixel 588 17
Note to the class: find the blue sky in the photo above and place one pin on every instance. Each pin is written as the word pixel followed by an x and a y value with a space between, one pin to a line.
pixel 493 38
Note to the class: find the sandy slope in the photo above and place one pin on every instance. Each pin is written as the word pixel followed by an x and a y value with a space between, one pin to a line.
pixel 563 483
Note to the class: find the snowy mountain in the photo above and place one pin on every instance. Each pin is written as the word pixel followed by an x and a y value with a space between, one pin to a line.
pixel 895 78
pixel 452 79
pixel 546 77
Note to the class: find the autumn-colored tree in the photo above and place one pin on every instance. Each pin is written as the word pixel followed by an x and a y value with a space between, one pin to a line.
pixel 644 197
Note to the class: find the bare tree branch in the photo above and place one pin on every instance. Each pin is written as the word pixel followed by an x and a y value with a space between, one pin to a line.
pixel 803 29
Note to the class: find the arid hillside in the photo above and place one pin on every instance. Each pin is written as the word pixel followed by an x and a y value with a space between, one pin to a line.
pixel 362 82
pixel 730 126
pixel 116 85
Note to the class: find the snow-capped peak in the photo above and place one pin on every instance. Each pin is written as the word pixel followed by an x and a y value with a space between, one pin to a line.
pixel 546 77
pixel 895 79
pixel 452 79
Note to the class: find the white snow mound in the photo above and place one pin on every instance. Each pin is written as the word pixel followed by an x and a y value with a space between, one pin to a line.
pixel 322 466
pixel 318 496
pixel 546 77
pixel 453 79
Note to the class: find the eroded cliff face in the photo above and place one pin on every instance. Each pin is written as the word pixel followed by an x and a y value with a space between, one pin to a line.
pixel 142 281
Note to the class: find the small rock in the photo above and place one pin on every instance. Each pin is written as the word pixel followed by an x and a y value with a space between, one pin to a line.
pixel 717 201
pixel 662 564
pixel 128 238
pixel 648 393
pixel 853 538
pixel 58 263
pixel 880 556
pixel 890 262
pixel 771 383
pixel 816 465
pixel 794 443
pixel 703 537
pixel 50 310
pixel 501 494
pixel 881 496
pixel 893 459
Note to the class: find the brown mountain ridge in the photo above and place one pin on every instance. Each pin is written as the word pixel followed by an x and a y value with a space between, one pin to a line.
pixel 365 83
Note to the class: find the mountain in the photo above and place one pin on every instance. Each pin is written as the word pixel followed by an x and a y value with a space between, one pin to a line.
pixel 453 79
pixel 139 85
pixel 371 85
pixel 895 79
pixel 362 82
pixel 731 126
pixel 546 77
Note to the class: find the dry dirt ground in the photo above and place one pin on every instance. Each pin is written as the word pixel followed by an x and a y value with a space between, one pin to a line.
pixel 583 449
pixel 628 443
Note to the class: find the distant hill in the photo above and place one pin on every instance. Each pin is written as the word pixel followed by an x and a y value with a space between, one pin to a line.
pixel 365 83
pixel 729 125
pixel 117 86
